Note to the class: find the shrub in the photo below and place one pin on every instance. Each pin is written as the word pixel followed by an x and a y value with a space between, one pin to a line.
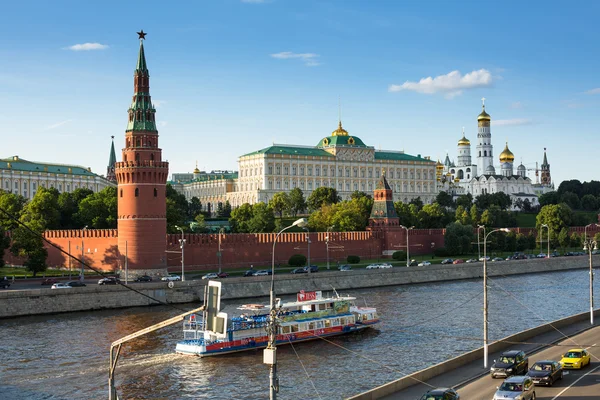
pixel 297 260
pixel 399 255
pixel 441 252
pixel 353 259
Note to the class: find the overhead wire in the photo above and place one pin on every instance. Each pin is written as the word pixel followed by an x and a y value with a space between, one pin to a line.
pixel 304 368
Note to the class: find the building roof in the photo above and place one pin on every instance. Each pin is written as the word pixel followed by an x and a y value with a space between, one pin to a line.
pixel 141 63
pixel 211 177
pixel 18 164
pixel 383 183
pixel 292 150
pixel 341 140
pixel 399 156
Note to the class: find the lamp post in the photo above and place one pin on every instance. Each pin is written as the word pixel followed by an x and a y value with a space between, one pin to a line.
pixel 547 227
pixel 407 245
pixel 81 276
pixel 478 241
pixel 485 298
pixel 327 245
pixel 182 246
pixel 219 254
pixel 270 353
pixel 590 245
pixel 308 241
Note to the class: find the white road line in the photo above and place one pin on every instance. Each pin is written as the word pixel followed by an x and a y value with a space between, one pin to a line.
pixel 580 378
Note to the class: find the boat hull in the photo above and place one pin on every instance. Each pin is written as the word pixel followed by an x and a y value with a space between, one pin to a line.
pixel 198 348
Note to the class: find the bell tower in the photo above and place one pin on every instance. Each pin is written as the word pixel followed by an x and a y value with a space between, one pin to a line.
pixel 141 178
pixel 546 179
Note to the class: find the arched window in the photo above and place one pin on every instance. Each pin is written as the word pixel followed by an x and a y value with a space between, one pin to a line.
pixel 152 156
pixel 137 156
pixel 479 153
pixel 155 192
pixel 485 153
pixel 137 192
pixel 121 192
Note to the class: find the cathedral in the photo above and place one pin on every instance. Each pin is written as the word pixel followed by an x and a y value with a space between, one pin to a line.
pixel 481 177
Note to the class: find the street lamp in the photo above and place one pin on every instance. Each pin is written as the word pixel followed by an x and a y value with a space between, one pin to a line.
pixel 547 227
pixel 485 299
pixel 270 353
pixel 478 242
pixel 81 277
pixel 327 245
pixel 182 245
pixel 219 254
pixel 590 245
pixel 308 241
pixel 407 245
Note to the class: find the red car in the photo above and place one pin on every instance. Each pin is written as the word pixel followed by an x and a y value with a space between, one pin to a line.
pixel 49 281
pixel 458 261
pixel 222 275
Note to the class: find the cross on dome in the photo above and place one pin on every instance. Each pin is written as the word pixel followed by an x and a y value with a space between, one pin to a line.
pixel 483 101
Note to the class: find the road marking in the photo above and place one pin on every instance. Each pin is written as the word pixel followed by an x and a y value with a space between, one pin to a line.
pixel 580 378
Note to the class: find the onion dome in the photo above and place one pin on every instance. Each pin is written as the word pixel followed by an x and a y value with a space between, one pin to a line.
pixel 507 155
pixel 464 141
pixel 196 170
pixel 439 167
pixel 521 168
pixel 484 116
pixel 339 131
pixel 490 170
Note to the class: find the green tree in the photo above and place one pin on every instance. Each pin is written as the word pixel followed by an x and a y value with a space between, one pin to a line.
pixel 522 242
pixel 405 212
pixel 322 195
pixel 262 220
pixel 432 216
pixel 321 219
pixel 13 204
pixel 4 244
pixel 549 198
pixel 417 202
pixel 220 210
pixel 240 218
pixel 591 187
pixel 510 242
pixel 30 245
pixel 178 213
pixel 571 199
pixel 99 210
pixel 573 186
pixel 474 214
pixel 67 210
pixel 44 209
pixel 280 203
pixel 458 238
pixel 444 199
pixel 200 224
pixel 563 238
pixel 556 216
pixel 589 202
pixel 576 240
pixel 195 207
pixel 297 201
pixel 357 194
pixel 350 216
pixel 227 209
pixel 465 200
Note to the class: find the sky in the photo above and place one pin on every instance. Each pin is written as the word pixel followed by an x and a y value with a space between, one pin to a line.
pixel 230 77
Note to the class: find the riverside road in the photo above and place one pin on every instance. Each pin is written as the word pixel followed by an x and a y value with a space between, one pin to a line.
pixel 65 356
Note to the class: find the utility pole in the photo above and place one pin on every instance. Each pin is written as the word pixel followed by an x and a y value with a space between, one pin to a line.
pixel 126 270
pixel 182 245
pixel 219 254
pixel 81 277
pixel 327 244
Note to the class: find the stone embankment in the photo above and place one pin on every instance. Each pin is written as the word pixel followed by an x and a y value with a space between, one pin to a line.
pixel 14 303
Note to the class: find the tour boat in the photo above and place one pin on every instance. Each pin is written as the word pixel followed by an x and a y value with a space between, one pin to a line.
pixel 310 317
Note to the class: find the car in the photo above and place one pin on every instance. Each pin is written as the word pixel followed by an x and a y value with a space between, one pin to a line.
pixel 471 260
pixel 144 278
pixel 75 284
pixel 49 281
pixel 385 266
pixel 447 261
pixel 594 252
pixel 575 359
pixel 486 258
pixel 440 394
pixel 60 285
pixel 262 272
pixel 313 268
pixel 222 274
pixel 413 263
pixel 300 270
pixel 541 255
pixel 171 278
pixel 424 264
pixel 250 272
pixel 545 372
pixel 516 387
pixel 5 283
pixel 557 254
pixel 458 261
pixel 495 259
pixel 110 280
pixel 373 266
pixel 511 362
pixel 345 267
pixel 210 275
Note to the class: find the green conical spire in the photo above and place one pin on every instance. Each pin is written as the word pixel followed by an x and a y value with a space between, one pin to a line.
pixel 112 159
pixel 545 159
pixel 141 112
pixel 141 62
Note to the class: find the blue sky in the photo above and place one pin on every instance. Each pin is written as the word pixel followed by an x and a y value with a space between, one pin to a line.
pixel 230 77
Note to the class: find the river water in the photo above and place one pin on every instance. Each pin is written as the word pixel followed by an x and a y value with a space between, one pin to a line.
pixel 65 356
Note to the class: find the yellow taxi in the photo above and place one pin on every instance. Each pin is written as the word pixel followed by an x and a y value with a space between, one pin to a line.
pixel 576 359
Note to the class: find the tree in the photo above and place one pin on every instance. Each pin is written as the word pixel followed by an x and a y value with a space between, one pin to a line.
pixel 357 194
pixel 458 238
pixel 350 216
pixel 527 207
pixel 280 203
pixel 13 204
pixel 589 202
pixel 576 240
pixel 227 209
pixel 556 216
pixel 297 202
pixel 43 208
pixel 405 212
pixel 549 198
pixel 432 216
pixel 99 210
pixel 465 200
pixel 571 199
pixel 220 210
pixel 262 219
pixel 522 242
pixel 322 195
pixel 195 207
pixel 417 202
pixel 474 213
pixel 444 199
pixel 563 238
pixel 4 244
pixel 200 224
pixel 510 242
pixel 30 245
pixel 178 213
pixel 573 186
pixel 591 187
pixel 240 217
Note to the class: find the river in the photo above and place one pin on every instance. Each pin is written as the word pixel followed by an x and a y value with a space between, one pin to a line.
pixel 65 356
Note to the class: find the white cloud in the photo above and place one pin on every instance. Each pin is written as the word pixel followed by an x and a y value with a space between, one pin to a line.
pixel 309 59
pixel 158 103
pixel 451 84
pixel 87 46
pixel 593 91
pixel 511 122
pixel 61 123
pixel 516 104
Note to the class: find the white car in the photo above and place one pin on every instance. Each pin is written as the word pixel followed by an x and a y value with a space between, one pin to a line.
pixel 471 260
pixel 487 258
pixel 424 264
pixel 60 286
pixel 171 278
pixel 373 266
pixel 210 275
pixel 385 265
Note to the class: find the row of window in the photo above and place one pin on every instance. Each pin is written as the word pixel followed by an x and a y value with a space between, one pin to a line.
pixel 7 186
pixel 347 186
pixel 348 172
pixel 312 325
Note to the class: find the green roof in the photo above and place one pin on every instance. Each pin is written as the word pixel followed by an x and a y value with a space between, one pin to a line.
pixel 393 155
pixel 141 63
pixel 211 177
pixel 18 164
pixel 341 141
pixel 291 150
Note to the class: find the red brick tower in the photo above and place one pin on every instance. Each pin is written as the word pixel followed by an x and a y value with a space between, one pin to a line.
pixel 141 178
pixel 385 219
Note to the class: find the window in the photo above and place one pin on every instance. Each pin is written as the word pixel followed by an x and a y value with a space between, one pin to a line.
pixel 137 192
pixel 309 185
pixel 152 157
pixel 347 187
pixel 325 171
pixel 270 170
pixel 59 187
pixel 302 170
pixel 356 186
pixel 309 170
pixel 347 172
pixel 278 170
pixel 16 185
pixel 285 170
pixel 25 185
pixel 355 173
pixel 370 173
pixel 294 170
pixel 485 153
pixel 317 171
pixel 121 193
pixel 362 173
pixel 155 192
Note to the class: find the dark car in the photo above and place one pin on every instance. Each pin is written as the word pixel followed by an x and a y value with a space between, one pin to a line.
pixel 222 275
pixel 441 394
pixel 447 261
pixel 250 272
pixel 413 263
pixel 299 271
pixel 49 281
pixel 111 280
pixel 144 278
pixel 313 268
pixel 5 283
pixel 545 372
pixel 345 267
pixel 75 284
pixel 511 362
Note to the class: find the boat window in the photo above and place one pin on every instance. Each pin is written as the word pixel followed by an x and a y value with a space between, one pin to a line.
pixel 285 329
pixel 329 306
pixel 365 317
pixel 327 323
pixel 294 328
pixel 351 320
pixel 319 324
pixel 342 321
pixel 311 325
pixel 322 307
pixel 301 327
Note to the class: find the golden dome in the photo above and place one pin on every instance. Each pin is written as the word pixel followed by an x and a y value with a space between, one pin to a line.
pixel 507 155
pixel 484 116
pixel 196 170
pixel 439 166
pixel 464 141
pixel 339 131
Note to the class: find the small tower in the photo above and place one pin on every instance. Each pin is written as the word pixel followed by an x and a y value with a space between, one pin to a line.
pixel 464 151
pixel 383 212
pixel 484 141
pixel 196 171
pixel 142 177
pixel 507 159
pixel 546 179
pixel 112 160
pixel 521 170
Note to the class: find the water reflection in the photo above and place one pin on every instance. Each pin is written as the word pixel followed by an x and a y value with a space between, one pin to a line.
pixel 66 356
